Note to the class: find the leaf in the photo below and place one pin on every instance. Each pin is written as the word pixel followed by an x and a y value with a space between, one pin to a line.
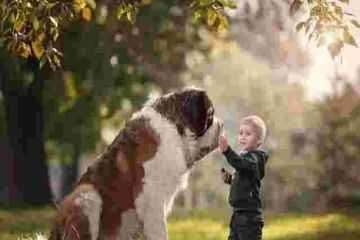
pixel 91 3
pixel 335 48
pixel 344 1
pixel 86 14
pixel 57 61
pixel 55 35
pixel 36 24
pixel 223 24
pixel 211 17
pixel 41 37
pixel 19 25
pixel 24 50
pixel 204 3
pixel 121 11
pixel 355 23
pixel 79 5
pixel 231 5
pixel 315 11
pixel 197 15
pixel 314 34
pixel 42 62
pixel 339 11
pixel 349 39
pixel 130 16
pixel 300 26
pixel 228 3
pixel 53 21
pixel 38 48
pixel 295 6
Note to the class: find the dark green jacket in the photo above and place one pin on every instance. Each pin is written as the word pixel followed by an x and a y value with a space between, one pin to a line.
pixel 245 184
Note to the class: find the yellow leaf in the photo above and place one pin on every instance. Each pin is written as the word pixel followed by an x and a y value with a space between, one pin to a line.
pixel 355 23
pixel 211 17
pixel 41 37
pixel 223 25
pixel 86 14
pixel 349 39
pixel 37 48
pixel 79 5
pixel 18 25
pixel 24 50
pixel 335 48
pixel 91 3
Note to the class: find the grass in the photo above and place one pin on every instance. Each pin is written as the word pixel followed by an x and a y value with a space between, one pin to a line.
pixel 205 225
pixel 16 223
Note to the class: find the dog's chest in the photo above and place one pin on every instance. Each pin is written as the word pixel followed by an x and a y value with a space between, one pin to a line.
pixel 164 175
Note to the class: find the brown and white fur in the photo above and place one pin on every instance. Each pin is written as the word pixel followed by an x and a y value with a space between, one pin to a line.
pixel 129 191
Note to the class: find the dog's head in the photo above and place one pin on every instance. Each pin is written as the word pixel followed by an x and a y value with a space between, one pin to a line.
pixel 192 112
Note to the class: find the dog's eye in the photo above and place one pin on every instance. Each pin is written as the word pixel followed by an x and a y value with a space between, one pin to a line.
pixel 210 115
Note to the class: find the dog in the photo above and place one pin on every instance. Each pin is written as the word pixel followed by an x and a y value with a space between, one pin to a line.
pixel 129 191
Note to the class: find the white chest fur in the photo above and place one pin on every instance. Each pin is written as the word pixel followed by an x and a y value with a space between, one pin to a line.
pixel 165 174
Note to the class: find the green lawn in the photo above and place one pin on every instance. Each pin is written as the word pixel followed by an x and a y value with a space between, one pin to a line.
pixel 204 225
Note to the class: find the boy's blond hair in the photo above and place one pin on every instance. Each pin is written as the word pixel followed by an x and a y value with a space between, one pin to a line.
pixel 258 124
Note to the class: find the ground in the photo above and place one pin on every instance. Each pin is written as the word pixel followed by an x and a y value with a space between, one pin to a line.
pixel 210 225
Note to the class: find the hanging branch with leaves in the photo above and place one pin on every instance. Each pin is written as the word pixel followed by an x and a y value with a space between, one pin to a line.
pixel 31 28
pixel 328 23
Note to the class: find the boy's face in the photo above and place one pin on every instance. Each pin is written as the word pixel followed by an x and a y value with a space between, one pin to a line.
pixel 248 138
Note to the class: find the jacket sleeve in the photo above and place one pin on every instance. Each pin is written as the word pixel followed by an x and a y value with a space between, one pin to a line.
pixel 242 162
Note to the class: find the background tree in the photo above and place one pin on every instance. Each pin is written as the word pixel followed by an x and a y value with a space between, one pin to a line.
pixel 338 149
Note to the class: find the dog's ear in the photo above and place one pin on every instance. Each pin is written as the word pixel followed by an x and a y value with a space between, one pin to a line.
pixel 141 146
pixel 147 143
pixel 194 108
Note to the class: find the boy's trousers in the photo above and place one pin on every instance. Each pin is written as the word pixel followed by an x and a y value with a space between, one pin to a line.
pixel 246 226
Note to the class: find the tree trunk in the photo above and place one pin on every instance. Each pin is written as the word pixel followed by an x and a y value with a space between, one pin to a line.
pixel 25 130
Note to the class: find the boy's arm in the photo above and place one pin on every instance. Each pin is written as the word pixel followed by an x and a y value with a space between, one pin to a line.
pixel 246 161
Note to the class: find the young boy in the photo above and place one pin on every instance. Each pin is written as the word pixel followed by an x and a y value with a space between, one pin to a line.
pixel 247 220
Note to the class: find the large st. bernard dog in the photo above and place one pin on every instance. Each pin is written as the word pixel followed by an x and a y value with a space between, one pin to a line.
pixel 129 191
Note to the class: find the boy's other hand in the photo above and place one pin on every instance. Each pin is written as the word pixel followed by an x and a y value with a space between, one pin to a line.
pixel 226 176
pixel 223 143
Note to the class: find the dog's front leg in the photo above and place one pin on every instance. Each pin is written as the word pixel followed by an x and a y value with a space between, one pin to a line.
pixel 155 220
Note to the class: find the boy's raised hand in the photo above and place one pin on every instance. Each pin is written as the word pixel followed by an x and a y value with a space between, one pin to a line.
pixel 223 143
